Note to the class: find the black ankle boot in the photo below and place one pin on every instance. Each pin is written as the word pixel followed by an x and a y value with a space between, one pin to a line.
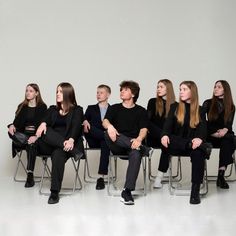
pixel 54 197
pixel 195 196
pixel 221 180
pixel 30 180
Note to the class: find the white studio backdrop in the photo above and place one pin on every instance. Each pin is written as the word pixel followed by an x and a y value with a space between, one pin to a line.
pixel 91 42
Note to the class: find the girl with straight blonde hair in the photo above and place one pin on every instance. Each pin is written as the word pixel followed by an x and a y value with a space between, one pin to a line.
pixel 184 133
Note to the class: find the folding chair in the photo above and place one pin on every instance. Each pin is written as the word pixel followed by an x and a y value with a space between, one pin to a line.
pixel 176 177
pixel 21 165
pixel 112 175
pixel 46 170
pixel 177 189
pixel 88 178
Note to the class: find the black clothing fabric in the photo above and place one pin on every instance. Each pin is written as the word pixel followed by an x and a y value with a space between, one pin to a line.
pixel 51 143
pixel 155 124
pixel 93 116
pixel 127 121
pixel 95 136
pixel 21 121
pixel 172 126
pixel 27 116
pixel 74 121
pixel 226 143
pixel 180 136
pixel 154 117
pixel 214 125
pixel 122 146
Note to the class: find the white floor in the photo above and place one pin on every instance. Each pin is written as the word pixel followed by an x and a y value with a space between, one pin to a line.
pixel 91 212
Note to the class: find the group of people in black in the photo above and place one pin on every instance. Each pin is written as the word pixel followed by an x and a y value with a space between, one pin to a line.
pixel 126 128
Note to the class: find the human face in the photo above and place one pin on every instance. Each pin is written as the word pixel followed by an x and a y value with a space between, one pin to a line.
pixel 184 93
pixel 102 95
pixel 161 89
pixel 218 90
pixel 59 95
pixel 30 93
pixel 126 94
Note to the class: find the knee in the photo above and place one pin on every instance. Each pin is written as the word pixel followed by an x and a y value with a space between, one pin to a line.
pixel 58 155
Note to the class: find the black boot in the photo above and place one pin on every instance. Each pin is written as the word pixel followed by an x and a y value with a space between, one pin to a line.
pixel 30 180
pixel 54 197
pixel 221 180
pixel 195 196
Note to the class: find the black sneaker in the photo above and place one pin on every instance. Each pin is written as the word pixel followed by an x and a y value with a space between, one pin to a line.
pixel 30 180
pixel 146 151
pixel 100 184
pixel 126 197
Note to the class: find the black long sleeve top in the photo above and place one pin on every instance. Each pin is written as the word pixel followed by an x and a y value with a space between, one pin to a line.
pixel 172 127
pixel 154 117
pixel 20 121
pixel 214 125
pixel 74 120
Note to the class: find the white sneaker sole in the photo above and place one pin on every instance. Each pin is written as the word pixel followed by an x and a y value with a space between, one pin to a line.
pixel 127 203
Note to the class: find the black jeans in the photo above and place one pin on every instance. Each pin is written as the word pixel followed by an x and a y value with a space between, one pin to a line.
pixel 122 146
pixel 96 139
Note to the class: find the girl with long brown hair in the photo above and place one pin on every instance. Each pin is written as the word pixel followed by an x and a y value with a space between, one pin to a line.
pixel 61 135
pixel 27 119
pixel 220 111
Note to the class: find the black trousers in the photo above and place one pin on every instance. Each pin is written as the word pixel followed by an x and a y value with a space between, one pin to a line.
pixel 122 146
pixel 96 139
pixel 154 135
pixel 52 144
pixel 226 146
pixel 179 146
pixel 31 151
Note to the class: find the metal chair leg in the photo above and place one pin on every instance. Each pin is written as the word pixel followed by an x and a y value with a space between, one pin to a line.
pixel 172 188
pixel 112 177
pixel 19 163
pixel 48 172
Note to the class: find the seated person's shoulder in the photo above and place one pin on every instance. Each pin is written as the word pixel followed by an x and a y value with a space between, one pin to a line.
pixel 174 105
pixel 43 106
pixel 79 108
pixel 206 103
pixel 152 101
pixel 53 107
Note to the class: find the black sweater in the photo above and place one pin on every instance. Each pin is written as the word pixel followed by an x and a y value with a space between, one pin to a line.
pixel 172 127
pixel 20 120
pixel 214 125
